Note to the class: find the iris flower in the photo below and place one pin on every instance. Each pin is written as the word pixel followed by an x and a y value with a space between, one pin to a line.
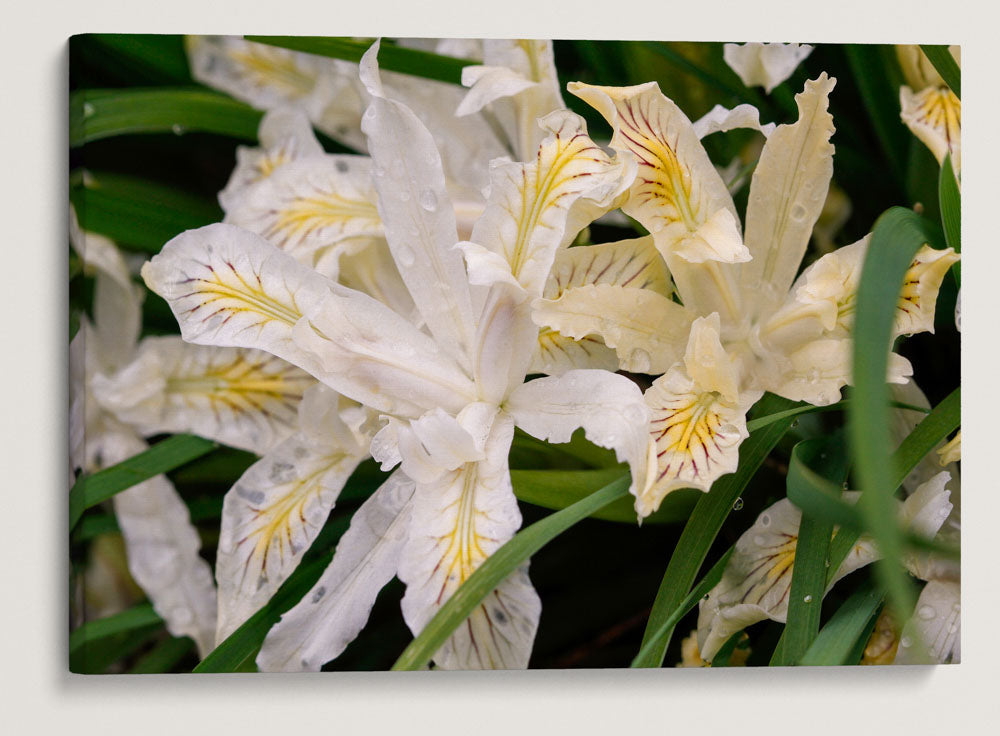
pixel 124 389
pixel 440 400
pixel 929 108
pixel 744 324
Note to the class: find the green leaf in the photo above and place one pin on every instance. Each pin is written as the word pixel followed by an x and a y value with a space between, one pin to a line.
pixel 711 579
pixel 950 198
pixel 709 514
pixel 156 58
pixel 496 568
pixel 817 466
pixel 96 114
pixel 163 657
pixel 138 617
pixel 936 426
pixel 90 490
pixel 946 66
pixel 704 75
pixel 851 625
pixel 391 58
pixel 238 651
pixel 557 489
pixel 897 236
pixel 138 213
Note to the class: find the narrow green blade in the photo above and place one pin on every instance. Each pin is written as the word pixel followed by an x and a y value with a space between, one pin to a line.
pixel 853 622
pixel 97 114
pixel 90 490
pixel 946 66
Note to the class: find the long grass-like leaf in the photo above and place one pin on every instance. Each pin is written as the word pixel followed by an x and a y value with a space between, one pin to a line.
pixel 163 657
pixel 950 199
pixel 838 642
pixel 90 490
pixel 706 520
pixel 712 577
pixel 814 465
pixel 881 100
pixel 97 114
pixel 415 62
pixel 496 568
pixel 137 213
pixel 897 236
pixel 138 617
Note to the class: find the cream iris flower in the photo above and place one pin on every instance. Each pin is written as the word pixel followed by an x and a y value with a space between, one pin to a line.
pixel 746 325
pixel 929 108
pixel 123 389
pixel 757 580
pixel 441 400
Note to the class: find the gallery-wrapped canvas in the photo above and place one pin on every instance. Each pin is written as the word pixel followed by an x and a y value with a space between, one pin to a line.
pixel 501 354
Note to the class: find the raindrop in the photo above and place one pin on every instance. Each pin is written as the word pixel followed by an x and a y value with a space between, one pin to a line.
pixel 737 504
pixel 177 129
pixel 369 114
pixel 406 256
pixel 798 212
pixel 88 109
pixel 759 541
pixel 428 200
pixel 953 628
pixel 926 612
pixel 611 438
pixel 341 166
pixel 765 520
pixel 905 642
pixel 807 599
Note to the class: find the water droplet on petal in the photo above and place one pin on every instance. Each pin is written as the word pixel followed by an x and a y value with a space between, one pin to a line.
pixel 798 212
pixel 406 256
pixel 905 642
pixel 341 166
pixel 428 200
pixel 759 541
pixel 765 520
pixel 926 612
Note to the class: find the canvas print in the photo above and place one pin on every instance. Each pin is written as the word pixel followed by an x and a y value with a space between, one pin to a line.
pixel 410 354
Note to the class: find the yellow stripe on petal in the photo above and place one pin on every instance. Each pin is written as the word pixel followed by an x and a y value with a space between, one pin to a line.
pixel 918 297
pixel 634 263
pixel 534 208
pixel 311 204
pixel 697 436
pixel 269 519
pixel 558 353
pixel 934 115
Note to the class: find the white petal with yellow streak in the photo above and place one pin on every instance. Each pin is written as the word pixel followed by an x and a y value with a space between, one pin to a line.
pixel 285 135
pixel 457 523
pixel 230 287
pixel 677 194
pixel 934 115
pixel 764 64
pixel 720 119
pixel 609 407
pixel 787 194
pixel 330 615
pixel 677 188
pixel 647 330
pixel 633 263
pixel 367 352
pixel 162 548
pixel 275 510
pixel 417 215
pixel 535 208
pixel 241 397
pixel 310 203
pixel 696 435
pixel 918 297
pixel 558 353
pixel 757 580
